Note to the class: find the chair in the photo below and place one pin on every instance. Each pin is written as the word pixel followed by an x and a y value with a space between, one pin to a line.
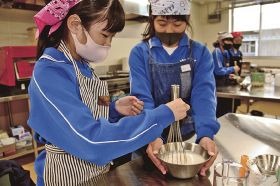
pixel 12 174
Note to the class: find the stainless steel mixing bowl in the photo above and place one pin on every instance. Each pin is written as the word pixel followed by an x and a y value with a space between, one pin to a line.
pixel 267 163
pixel 183 171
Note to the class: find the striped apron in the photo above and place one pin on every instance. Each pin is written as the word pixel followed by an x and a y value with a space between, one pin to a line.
pixel 62 168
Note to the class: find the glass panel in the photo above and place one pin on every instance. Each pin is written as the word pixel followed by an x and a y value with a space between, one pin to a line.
pixel 246 18
pixel 270 33
pixel 270 16
pixel 269 42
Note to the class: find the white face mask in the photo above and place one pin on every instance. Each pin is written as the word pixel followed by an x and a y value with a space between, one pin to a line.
pixel 91 51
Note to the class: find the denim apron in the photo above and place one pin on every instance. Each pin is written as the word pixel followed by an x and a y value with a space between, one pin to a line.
pixel 222 80
pixel 235 59
pixel 163 75
pixel 62 168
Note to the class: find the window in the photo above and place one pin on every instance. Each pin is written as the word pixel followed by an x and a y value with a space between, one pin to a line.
pixel 249 48
pixel 270 13
pixel 261 29
pixel 246 18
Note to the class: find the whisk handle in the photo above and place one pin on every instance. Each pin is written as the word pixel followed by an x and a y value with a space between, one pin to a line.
pixel 175 92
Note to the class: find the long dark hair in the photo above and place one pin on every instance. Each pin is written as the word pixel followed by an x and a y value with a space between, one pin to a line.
pixel 88 11
pixel 150 28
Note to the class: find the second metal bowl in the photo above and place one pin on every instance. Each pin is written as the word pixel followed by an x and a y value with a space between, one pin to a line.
pixel 267 163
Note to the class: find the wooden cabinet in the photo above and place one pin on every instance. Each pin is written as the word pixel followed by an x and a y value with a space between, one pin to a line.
pixel 22 152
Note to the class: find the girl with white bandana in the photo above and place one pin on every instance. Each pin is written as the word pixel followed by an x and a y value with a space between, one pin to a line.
pixel 168 56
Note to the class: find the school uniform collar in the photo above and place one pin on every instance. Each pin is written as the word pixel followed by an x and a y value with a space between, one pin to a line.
pixel 155 42
pixel 225 52
pixel 233 52
pixel 57 55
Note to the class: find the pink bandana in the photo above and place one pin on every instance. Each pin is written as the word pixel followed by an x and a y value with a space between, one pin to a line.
pixel 53 14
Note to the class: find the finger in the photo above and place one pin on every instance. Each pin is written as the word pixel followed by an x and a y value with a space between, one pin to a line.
pixel 132 113
pixel 138 106
pixel 133 99
pixel 157 163
pixel 202 171
pixel 136 110
pixel 187 107
pixel 211 149
pixel 210 146
pixel 155 160
pixel 140 102
pixel 207 165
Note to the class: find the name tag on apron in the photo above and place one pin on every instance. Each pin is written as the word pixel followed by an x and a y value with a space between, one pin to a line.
pixel 186 68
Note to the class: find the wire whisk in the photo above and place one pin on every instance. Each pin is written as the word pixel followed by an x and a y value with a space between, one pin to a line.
pixel 177 153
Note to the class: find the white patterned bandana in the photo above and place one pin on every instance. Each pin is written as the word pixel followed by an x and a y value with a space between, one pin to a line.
pixel 171 7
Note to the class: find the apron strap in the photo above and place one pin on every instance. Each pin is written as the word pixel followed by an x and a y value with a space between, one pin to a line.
pixel 68 55
pixel 190 48
pixel 53 149
pixel 226 60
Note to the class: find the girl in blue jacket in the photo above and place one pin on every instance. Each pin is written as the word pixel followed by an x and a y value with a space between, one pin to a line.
pixel 168 56
pixel 70 110
pixel 224 71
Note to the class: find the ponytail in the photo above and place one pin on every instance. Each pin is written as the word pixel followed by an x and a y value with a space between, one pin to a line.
pixel 45 40
pixel 216 44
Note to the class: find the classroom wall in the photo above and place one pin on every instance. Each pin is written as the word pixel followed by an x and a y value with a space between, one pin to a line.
pixel 14 25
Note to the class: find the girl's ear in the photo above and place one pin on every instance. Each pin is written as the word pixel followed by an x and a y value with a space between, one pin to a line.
pixel 74 24
pixel 75 27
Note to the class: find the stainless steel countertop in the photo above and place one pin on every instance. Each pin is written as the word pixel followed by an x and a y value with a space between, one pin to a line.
pixel 239 134
pixel 269 92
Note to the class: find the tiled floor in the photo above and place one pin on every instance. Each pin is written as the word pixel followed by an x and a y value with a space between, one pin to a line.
pixel 30 167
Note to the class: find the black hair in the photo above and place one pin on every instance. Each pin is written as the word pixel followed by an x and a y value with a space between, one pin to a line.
pixel 150 28
pixel 216 44
pixel 89 11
